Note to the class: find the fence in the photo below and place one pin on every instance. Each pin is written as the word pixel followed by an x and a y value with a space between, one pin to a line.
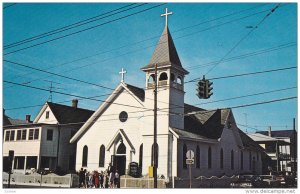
pixel 141 183
pixel 204 182
pixel 49 180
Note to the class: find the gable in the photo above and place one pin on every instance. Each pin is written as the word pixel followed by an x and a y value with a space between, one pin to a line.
pixel 121 99
pixel 43 118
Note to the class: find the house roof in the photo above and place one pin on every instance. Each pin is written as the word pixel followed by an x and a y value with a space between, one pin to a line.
pixel 165 53
pixel 209 124
pixel 265 138
pixel 138 92
pixel 67 114
pixel 248 142
pixel 10 121
pixel 278 133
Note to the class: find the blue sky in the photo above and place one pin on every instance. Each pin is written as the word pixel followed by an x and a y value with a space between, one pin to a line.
pixel 198 42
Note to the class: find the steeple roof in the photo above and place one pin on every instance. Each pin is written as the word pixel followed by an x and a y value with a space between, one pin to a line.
pixel 165 53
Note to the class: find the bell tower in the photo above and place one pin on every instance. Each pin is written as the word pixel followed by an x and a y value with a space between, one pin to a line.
pixel 170 75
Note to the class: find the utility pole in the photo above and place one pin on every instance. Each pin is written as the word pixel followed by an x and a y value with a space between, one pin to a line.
pixel 295 148
pixel 155 131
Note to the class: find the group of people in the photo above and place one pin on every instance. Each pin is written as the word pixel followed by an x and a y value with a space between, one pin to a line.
pixel 106 179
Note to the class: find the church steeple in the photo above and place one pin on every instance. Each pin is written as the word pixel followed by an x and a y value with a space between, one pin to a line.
pixel 165 53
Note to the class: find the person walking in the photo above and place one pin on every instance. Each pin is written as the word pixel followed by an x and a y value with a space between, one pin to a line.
pixel 101 179
pixel 81 178
pixel 96 179
pixel 111 179
pixel 117 180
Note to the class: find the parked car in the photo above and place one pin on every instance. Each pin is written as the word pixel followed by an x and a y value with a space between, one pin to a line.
pixel 271 181
pixel 248 181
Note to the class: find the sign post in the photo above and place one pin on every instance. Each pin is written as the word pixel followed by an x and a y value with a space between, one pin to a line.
pixel 190 162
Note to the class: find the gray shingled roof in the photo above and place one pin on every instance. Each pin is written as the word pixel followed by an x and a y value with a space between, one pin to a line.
pixel 165 53
pixel 139 92
pixel 209 124
pixel 67 114
pixel 187 134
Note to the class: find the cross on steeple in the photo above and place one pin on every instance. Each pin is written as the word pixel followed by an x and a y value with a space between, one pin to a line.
pixel 122 72
pixel 166 15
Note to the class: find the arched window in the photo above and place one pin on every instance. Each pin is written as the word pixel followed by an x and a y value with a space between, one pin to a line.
pixel 173 77
pixel 179 80
pixel 121 149
pixel 184 151
pixel 141 158
pixel 84 156
pixel 163 76
pixel 209 158
pixel 102 156
pixel 232 160
pixel 221 158
pixel 197 157
pixel 152 155
pixel 151 78
pixel 242 160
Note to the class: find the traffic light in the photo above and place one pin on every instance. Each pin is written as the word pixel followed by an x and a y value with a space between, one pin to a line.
pixel 201 88
pixel 208 88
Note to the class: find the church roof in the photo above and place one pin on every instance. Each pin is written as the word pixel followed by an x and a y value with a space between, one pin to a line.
pixel 67 114
pixel 206 123
pixel 165 53
pixel 189 135
pixel 248 142
pixel 138 92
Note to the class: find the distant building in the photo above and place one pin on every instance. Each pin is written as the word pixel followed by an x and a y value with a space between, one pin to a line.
pixel 287 151
pixel 44 143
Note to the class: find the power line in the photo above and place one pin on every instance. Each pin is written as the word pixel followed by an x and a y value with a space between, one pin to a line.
pixel 244 37
pixel 248 95
pixel 12 4
pixel 83 30
pixel 250 54
pixel 246 74
pixel 147 46
pixel 71 26
pixel 77 96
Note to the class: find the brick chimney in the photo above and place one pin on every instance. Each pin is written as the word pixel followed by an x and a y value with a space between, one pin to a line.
pixel 28 118
pixel 74 103
pixel 270 132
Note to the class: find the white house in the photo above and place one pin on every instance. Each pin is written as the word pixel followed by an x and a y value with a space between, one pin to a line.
pixel 121 129
pixel 45 142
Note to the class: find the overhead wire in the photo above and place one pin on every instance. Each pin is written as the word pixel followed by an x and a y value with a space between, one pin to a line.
pixel 74 25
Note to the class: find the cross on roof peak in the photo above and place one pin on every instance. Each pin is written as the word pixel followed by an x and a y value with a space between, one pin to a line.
pixel 166 15
pixel 122 72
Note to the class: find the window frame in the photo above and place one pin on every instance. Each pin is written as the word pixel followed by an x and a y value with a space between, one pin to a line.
pixel 49 132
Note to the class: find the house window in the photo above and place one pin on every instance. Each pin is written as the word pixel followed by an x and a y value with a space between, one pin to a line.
pixel 84 156
pixel 102 156
pixel 209 158
pixel 49 134
pixel 19 162
pixel 184 151
pixel 31 131
pixel 24 133
pixel 152 155
pixel 19 134
pixel 12 135
pixel 242 160
pixel 141 158
pixel 7 134
pixel 36 134
pixel 47 114
pixel 197 157
pixel 232 160
pixel 31 162
pixel 221 158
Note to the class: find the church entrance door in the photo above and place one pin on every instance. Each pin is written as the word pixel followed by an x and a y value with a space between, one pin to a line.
pixel 120 164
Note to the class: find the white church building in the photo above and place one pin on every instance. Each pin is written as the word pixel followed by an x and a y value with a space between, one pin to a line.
pixel 121 129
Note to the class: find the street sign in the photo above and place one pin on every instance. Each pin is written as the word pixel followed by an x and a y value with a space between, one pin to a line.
pixel 189 161
pixel 190 154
